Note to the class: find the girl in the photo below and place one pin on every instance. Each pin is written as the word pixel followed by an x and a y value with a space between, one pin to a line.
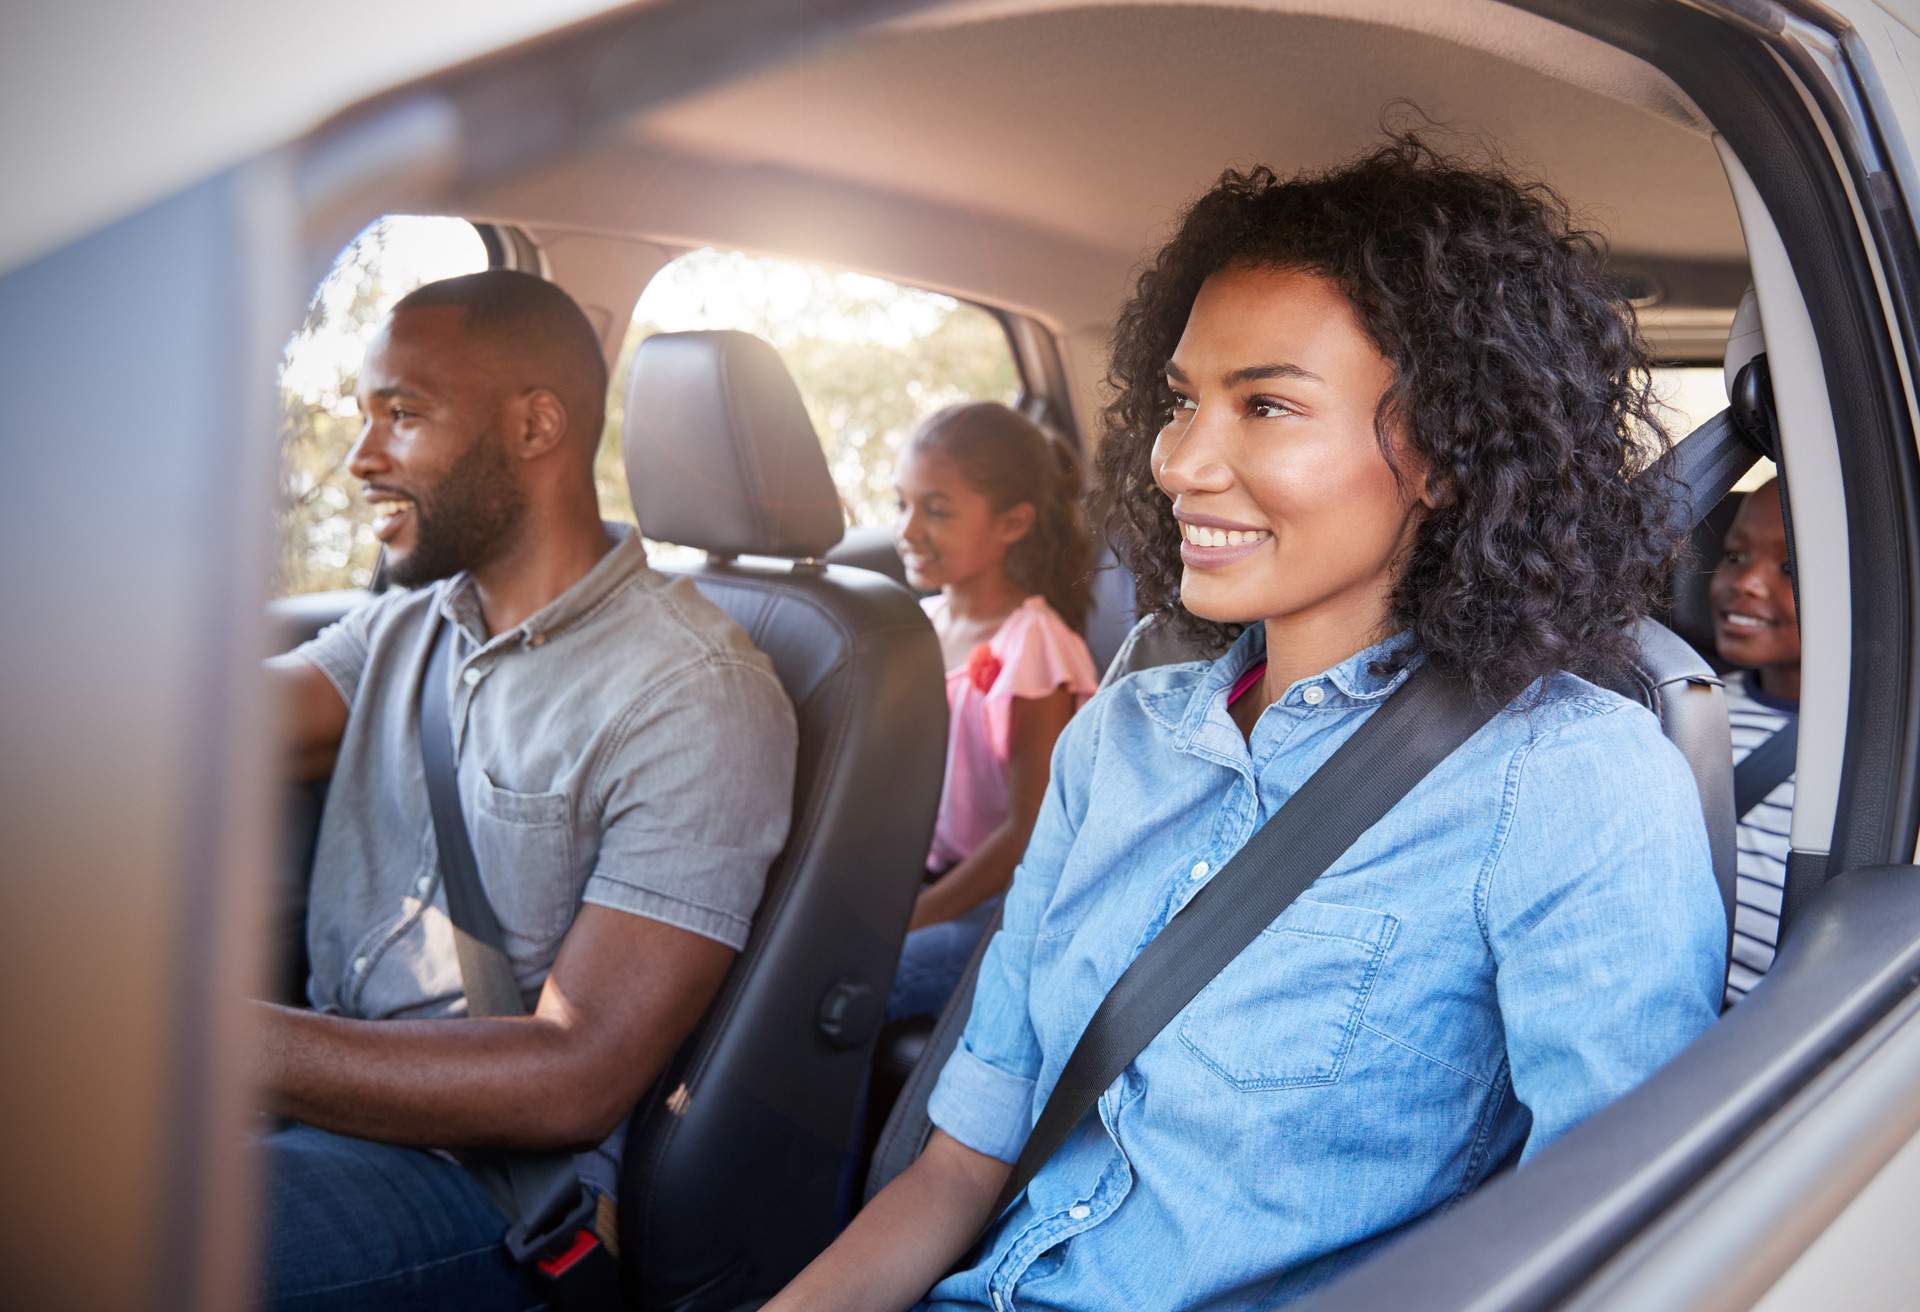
pixel 1756 629
pixel 988 518
pixel 1366 419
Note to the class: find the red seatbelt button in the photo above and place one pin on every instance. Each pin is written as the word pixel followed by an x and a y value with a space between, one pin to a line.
pixel 584 1242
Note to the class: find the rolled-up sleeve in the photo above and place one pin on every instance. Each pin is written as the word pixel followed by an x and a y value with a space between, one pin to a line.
pixel 699 789
pixel 985 1094
pixel 340 650
pixel 1606 926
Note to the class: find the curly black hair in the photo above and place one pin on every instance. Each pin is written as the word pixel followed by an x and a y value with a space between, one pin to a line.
pixel 1520 379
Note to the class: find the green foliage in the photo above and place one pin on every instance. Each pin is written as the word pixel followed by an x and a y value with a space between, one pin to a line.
pixel 871 360
pixel 326 526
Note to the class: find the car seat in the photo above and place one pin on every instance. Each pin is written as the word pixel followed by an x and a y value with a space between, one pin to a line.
pixel 735 1163
pixel 868 546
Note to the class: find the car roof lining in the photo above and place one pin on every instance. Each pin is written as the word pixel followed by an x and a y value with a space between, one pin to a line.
pixel 1066 138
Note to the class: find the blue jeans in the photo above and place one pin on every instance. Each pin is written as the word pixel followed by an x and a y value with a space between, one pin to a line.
pixel 932 961
pixel 356 1224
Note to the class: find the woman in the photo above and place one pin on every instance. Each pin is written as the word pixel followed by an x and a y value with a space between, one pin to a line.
pixel 1379 416
pixel 989 521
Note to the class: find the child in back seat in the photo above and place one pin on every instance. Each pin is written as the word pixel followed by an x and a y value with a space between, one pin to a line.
pixel 988 517
pixel 1756 628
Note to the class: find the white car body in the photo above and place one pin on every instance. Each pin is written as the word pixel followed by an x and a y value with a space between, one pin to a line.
pixel 177 177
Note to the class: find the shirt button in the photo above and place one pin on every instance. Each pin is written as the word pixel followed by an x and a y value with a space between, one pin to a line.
pixel 998 1305
pixel 1199 870
pixel 425 883
pixel 359 964
pixel 472 676
pixel 1080 1211
pixel 1313 694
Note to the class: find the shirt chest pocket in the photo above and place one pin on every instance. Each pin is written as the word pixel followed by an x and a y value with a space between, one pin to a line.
pixel 1283 1013
pixel 524 844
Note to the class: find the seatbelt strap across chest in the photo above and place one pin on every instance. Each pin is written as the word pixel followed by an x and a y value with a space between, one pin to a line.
pixel 1415 729
pixel 1765 768
pixel 551 1212
pixel 486 973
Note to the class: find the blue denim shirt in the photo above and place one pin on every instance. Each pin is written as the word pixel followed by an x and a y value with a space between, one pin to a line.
pixel 1529 934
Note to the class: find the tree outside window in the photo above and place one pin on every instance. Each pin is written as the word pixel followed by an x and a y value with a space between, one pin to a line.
pixel 871 359
pixel 326 526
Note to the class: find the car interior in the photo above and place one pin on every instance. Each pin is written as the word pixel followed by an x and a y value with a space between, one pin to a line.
pixel 880 154
pixel 1022 156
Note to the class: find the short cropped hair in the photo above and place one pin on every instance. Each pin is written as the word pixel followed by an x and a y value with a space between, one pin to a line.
pixel 530 314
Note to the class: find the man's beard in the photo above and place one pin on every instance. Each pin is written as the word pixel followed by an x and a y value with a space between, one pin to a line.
pixel 466 521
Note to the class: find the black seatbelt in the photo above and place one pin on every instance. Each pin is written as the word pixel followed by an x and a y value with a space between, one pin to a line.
pixel 1399 745
pixel 1706 464
pixel 1415 729
pixel 551 1212
pixel 1765 768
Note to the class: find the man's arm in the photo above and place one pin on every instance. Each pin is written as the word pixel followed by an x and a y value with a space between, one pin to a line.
pixel 624 994
pixel 313 716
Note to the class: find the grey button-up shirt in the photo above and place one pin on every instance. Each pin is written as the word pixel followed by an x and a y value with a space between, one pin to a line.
pixel 625 746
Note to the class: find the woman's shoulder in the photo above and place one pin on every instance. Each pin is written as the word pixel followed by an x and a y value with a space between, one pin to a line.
pixel 1568 729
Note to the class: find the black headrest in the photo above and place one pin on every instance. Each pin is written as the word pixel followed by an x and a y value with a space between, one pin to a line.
pixel 720 452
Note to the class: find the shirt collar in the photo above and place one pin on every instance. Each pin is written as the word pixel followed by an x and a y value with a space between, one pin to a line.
pixel 1751 680
pixel 460 603
pixel 1355 681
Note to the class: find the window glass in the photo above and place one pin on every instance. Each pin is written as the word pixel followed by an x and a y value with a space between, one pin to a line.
pixel 871 358
pixel 1692 395
pixel 326 532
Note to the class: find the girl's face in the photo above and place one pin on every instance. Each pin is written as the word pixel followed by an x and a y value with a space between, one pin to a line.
pixel 1755 622
pixel 945 530
pixel 1287 509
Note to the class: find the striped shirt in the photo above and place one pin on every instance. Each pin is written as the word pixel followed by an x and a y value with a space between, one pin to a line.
pixel 1764 837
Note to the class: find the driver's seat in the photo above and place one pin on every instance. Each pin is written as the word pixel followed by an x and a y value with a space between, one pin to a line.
pixel 734 1166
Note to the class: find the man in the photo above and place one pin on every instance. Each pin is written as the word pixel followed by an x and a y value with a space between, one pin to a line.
pixel 1756 629
pixel 625 768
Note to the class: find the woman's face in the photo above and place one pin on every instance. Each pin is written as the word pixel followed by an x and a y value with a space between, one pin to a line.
pixel 946 531
pixel 1288 510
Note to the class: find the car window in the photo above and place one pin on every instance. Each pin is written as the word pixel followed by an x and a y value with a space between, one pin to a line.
pixel 326 533
pixel 872 358
pixel 1693 394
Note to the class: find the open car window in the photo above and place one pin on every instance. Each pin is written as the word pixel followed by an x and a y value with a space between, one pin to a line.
pixel 326 527
pixel 872 358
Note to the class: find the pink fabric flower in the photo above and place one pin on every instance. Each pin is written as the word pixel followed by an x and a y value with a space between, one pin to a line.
pixel 1033 655
pixel 983 667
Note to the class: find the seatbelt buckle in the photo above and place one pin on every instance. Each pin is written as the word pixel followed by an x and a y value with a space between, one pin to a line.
pixel 584 1242
pixel 559 1248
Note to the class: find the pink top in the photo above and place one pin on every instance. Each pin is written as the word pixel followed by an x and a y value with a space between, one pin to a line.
pixel 1032 653
pixel 1246 681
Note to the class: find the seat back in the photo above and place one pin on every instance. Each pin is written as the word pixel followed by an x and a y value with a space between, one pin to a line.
pixel 1113 612
pixel 734 1165
pixel 870 547
pixel 1665 675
